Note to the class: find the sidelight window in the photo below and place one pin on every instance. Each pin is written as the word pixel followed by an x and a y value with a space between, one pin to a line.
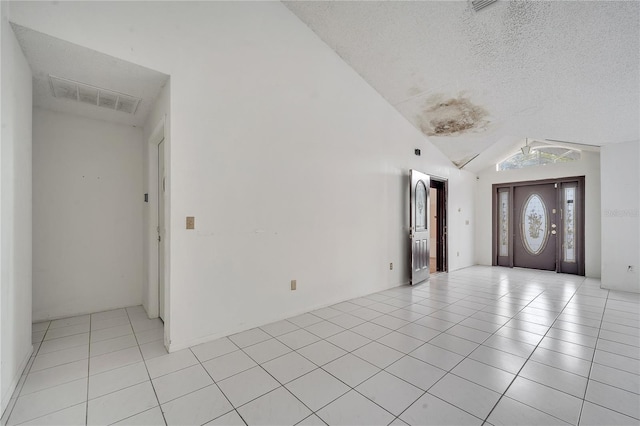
pixel 569 213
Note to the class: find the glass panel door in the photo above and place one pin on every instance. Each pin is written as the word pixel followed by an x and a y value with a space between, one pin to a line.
pixel 418 226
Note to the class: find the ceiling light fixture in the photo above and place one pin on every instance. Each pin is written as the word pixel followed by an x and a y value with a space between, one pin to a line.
pixel 526 149
pixel 481 4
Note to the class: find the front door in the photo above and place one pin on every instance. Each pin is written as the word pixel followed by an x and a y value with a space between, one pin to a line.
pixel 540 224
pixel 419 226
pixel 536 230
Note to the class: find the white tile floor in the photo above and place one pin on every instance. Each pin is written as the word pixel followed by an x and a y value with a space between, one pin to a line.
pixel 478 346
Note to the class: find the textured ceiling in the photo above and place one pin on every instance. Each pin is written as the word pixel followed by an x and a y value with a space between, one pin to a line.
pixel 51 56
pixel 478 82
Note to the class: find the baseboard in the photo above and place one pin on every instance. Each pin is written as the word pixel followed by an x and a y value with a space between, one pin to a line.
pixel 37 316
pixel 176 346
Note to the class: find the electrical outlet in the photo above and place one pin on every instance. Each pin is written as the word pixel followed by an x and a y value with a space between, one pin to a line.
pixel 458 254
pixel 191 222
pixel 391 266
pixel 294 284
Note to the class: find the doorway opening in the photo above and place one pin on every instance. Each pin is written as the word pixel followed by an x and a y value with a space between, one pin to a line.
pixel 427 225
pixel 438 218
pixel 157 292
pixel 540 225
pixel 161 228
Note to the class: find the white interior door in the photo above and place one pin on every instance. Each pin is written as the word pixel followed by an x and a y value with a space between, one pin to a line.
pixel 161 228
pixel 419 226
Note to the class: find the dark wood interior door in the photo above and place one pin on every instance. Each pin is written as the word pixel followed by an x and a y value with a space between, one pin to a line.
pixel 440 187
pixel 536 229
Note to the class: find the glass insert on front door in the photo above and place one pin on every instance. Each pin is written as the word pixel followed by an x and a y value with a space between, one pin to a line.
pixel 421 206
pixel 534 224
pixel 503 220
pixel 568 243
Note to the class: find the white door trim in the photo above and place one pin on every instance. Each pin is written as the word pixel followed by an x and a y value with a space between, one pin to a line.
pixel 152 289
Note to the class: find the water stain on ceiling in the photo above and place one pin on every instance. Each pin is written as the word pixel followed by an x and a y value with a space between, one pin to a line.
pixel 451 117
pixel 545 69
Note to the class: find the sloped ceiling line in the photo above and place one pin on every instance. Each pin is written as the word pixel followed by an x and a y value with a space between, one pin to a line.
pixel 471 80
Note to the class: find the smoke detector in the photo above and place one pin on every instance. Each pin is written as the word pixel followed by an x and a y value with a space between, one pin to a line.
pixel 93 95
pixel 481 4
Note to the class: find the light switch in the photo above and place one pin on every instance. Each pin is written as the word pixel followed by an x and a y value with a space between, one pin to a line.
pixel 191 222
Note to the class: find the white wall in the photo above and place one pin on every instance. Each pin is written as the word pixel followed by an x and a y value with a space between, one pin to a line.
pixel 588 166
pixel 292 165
pixel 157 126
pixel 620 216
pixel 15 212
pixel 88 215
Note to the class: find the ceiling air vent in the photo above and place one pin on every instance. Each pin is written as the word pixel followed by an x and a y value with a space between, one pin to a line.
pixel 88 94
pixel 481 4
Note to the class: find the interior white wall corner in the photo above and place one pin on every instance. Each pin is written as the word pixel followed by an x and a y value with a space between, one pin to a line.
pixel 15 211
pixel 620 216
pixel 159 120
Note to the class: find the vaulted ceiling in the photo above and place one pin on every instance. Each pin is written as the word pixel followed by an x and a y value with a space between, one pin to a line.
pixel 480 82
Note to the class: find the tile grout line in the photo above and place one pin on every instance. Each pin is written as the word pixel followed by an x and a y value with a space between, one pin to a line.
pixel 281 385
pixel 549 328
pixel 317 367
pixel 452 368
pixel 258 364
pixel 528 358
pixel 77 334
pixel 26 373
pixel 460 290
pixel 478 345
pixel 216 383
pixel 466 357
pixel 51 387
pixel 147 369
pixel 443 332
pixel 314 412
pixel 86 415
pixel 321 367
pixel 404 354
pixel 593 357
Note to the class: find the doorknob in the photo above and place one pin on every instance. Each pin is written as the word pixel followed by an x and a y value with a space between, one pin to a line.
pixel 553 232
pixel 553 225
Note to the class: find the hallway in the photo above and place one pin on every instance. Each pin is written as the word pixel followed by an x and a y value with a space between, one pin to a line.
pixel 478 345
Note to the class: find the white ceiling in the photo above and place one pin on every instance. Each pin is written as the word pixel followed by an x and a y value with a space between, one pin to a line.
pixel 482 82
pixel 51 56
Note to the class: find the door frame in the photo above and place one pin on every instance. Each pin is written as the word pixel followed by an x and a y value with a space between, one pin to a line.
pixel 442 237
pixel 509 187
pixel 153 272
pixel 162 225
